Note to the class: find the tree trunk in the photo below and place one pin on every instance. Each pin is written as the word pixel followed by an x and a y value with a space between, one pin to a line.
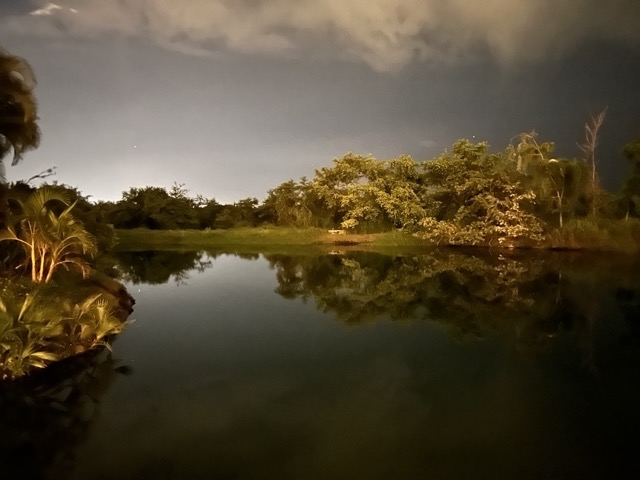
pixel 559 197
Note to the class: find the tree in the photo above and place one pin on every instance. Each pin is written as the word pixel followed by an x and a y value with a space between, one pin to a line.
pixel 19 130
pixel 347 188
pixel 565 182
pixel 208 210
pixel 179 191
pixel 400 192
pixel 477 198
pixel 365 192
pixel 49 234
pixel 529 153
pixel 154 208
pixel 93 216
pixel 288 203
pixel 592 129
pixel 631 188
pixel 242 213
pixel 560 185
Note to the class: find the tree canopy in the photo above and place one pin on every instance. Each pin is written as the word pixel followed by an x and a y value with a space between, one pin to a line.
pixel 19 130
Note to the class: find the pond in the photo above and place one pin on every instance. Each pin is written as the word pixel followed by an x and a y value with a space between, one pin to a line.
pixel 455 364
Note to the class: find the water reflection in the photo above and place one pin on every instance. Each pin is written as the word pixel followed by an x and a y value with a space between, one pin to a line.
pixel 46 416
pixel 158 267
pixel 364 286
pixel 535 299
pixel 531 297
pixel 272 366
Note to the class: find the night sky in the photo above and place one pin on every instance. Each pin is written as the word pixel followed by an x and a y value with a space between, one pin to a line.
pixel 233 97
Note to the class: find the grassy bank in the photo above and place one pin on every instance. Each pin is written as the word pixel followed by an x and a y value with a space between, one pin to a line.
pixel 260 238
pixel 577 234
pixel 597 234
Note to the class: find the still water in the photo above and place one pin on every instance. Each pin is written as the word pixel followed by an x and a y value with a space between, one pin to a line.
pixel 347 365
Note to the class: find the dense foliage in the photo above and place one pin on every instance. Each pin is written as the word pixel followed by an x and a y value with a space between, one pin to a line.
pixel 50 238
pixel 18 109
pixel 39 326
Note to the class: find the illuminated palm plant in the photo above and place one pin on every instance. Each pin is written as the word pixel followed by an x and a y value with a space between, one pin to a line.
pixel 40 329
pixel 93 320
pixel 49 240
pixel 26 330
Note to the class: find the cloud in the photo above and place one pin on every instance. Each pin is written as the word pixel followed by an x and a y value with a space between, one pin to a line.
pixel 48 9
pixel 385 34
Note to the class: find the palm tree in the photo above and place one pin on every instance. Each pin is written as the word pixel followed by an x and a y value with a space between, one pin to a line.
pixel 19 130
pixel 49 239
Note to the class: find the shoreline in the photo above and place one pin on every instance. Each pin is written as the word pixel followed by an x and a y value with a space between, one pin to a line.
pixel 105 301
pixel 277 238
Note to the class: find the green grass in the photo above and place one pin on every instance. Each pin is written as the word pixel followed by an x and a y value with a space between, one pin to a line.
pixel 259 239
pixel 595 234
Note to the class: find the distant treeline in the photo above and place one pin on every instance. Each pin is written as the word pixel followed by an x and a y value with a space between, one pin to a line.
pixel 467 195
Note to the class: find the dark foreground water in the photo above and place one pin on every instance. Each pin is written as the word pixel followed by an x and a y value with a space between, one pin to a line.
pixel 347 366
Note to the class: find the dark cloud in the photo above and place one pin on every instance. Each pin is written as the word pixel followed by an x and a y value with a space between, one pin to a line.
pixel 18 7
pixel 266 91
pixel 385 34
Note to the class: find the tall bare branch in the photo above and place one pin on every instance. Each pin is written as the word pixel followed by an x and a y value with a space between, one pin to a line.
pixel 591 130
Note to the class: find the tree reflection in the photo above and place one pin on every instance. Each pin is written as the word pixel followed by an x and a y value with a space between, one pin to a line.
pixel 530 297
pixel 535 299
pixel 44 417
pixel 157 267
pixel 362 286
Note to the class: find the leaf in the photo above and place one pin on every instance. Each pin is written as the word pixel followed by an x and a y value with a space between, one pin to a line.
pixel 44 355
